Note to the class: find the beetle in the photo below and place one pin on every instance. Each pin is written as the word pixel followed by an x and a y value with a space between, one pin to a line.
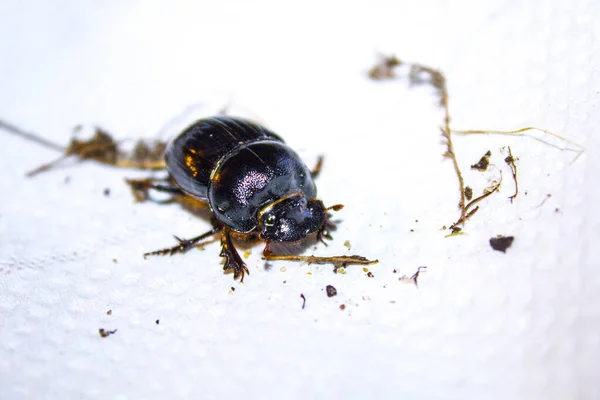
pixel 253 184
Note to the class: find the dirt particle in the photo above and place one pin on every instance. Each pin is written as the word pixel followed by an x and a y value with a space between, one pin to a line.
pixel 483 162
pixel 501 243
pixel 468 193
pixel 338 269
pixel 106 333
pixel 331 291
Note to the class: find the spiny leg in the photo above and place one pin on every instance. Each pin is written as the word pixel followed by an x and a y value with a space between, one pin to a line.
pixel 184 244
pixel 141 188
pixel 324 232
pixel 232 258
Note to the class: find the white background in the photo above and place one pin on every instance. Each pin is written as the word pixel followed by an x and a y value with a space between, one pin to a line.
pixel 482 324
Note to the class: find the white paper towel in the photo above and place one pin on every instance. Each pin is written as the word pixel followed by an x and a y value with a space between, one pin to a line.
pixel 481 324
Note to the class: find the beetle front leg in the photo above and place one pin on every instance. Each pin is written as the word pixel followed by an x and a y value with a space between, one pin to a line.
pixel 324 232
pixel 184 244
pixel 232 258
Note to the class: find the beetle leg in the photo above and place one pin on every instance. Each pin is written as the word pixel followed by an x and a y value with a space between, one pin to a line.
pixel 184 244
pixel 232 257
pixel 141 188
pixel 324 232
pixel 317 169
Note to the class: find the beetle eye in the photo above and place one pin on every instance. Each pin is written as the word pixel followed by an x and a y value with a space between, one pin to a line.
pixel 270 220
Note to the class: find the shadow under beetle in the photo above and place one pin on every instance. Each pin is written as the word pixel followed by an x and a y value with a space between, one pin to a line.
pixel 253 184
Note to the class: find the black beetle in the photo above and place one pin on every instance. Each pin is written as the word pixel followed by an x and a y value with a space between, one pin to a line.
pixel 253 184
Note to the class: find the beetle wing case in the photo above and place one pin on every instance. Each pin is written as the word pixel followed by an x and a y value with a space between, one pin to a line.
pixel 192 156
pixel 238 167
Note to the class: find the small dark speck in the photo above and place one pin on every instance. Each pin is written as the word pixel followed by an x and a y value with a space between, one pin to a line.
pixel 157 321
pixel 303 300
pixel 107 192
pixel 455 229
pixel 232 289
pixel 483 163
pixel 468 193
pixel 501 243
pixel 106 332
pixel 412 230
pixel 395 271
pixel 342 307
pixel 109 312
pixel 370 274
pixel 331 291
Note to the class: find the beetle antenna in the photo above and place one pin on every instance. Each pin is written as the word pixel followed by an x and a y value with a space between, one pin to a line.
pixel 336 207
pixel 30 136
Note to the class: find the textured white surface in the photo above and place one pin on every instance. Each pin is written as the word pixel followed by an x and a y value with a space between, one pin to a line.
pixel 482 324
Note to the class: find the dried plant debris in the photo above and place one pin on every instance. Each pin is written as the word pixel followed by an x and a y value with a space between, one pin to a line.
pixel 510 160
pixel 501 243
pixel 391 67
pixel 384 69
pixel 330 290
pixel 101 147
pixel 106 332
pixel 414 278
pixel 483 162
pixel 303 300
pixel 548 196
pixel 471 208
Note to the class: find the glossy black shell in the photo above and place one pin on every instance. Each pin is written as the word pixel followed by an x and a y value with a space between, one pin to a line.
pixel 238 167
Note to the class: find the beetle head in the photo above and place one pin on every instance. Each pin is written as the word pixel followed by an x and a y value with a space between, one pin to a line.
pixel 291 219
